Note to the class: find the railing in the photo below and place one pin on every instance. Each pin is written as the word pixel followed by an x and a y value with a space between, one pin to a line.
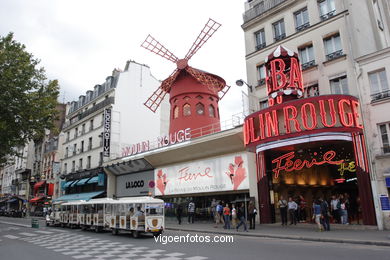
pixel 261 8
pixel 386 149
pixel 260 46
pixel 302 27
pixel 260 82
pixel 334 55
pixel 380 95
pixel 327 15
pixel 280 37
pixel 308 64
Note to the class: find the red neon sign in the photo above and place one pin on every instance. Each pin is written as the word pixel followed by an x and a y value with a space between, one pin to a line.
pixel 286 162
pixel 310 114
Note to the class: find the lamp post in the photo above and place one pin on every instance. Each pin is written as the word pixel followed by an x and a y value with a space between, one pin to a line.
pixel 241 82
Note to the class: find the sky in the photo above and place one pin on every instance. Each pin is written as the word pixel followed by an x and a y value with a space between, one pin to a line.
pixel 80 42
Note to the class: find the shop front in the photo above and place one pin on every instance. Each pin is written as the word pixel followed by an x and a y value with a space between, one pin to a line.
pixel 224 178
pixel 308 148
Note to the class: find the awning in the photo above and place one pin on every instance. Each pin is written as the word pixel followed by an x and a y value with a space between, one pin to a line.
pixel 74 183
pixel 67 184
pixel 79 196
pixel 36 199
pixel 12 200
pixel 93 180
pixel 82 181
pixel 39 184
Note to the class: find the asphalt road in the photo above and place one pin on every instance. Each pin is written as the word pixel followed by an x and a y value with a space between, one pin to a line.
pixel 18 243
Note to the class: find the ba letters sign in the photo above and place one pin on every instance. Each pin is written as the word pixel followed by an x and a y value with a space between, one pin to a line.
pixel 134 184
pixel 225 173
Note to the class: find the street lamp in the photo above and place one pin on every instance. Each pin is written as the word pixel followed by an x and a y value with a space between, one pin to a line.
pixel 241 82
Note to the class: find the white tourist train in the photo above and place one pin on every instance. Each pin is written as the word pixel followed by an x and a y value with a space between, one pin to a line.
pixel 132 214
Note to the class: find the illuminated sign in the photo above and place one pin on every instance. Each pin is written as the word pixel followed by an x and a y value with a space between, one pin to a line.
pixel 106 132
pixel 302 115
pixel 287 162
pixel 162 141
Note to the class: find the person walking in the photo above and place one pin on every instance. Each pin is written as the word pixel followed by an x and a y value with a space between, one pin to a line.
pixel 191 212
pixel 251 215
pixel 219 214
pixel 292 208
pixel 317 213
pixel 234 216
pixel 282 203
pixel 343 212
pixel 241 217
pixel 226 216
pixel 179 212
pixel 325 214
pixel 334 209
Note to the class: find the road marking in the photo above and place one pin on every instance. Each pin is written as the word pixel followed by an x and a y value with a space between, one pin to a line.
pixel 11 236
pixel 44 232
pixel 27 234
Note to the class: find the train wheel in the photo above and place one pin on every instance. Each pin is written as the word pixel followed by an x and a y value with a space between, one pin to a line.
pixel 135 234
pixel 115 231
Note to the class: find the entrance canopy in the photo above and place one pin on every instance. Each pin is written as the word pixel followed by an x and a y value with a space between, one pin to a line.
pixel 37 199
pixel 79 196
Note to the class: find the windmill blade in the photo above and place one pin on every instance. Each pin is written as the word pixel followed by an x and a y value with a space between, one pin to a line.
pixel 155 99
pixel 212 83
pixel 223 92
pixel 154 46
pixel 209 29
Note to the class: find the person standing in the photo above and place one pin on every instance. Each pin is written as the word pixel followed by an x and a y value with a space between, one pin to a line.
pixel 302 209
pixel 241 217
pixel 226 216
pixel 44 211
pixel 234 216
pixel 283 210
pixel 251 215
pixel 325 214
pixel 179 212
pixel 334 209
pixel 191 212
pixel 218 214
pixel 292 208
pixel 317 213
pixel 343 212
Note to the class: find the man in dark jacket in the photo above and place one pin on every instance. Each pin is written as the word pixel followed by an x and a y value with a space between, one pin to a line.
pixel 325 214
pixel 179 211
pixel 241 217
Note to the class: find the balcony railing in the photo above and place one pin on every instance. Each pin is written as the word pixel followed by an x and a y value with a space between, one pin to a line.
pixel 386 149
pixel 380 95
pixel 334 55
pixel 328 15
pixel 302 27
pixel 260 82
pixel 308 64
pixel 260 46
pixel 259 9
pixel 280 37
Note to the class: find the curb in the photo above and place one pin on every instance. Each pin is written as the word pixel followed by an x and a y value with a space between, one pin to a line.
pixel 312 239
pixel 15 224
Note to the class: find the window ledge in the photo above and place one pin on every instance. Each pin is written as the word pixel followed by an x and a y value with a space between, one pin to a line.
pixel 309 68
pixel 382 156
pixel 341 57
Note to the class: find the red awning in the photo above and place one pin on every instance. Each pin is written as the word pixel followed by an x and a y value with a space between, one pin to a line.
pixel 39 184
pixel 36 199
pixel 50 189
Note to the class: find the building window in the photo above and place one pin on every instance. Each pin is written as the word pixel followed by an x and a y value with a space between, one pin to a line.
pixel 311 91
pixel 339 85
pixel 379 85
pixel 260 75
pixel 65 168
pixel 88 162
pixel 384 130
pixel 176 112
pixel 260 39
pixel 90 143
pixel 80 163
pixel 83 129
pixel 327 9
pixel 301 19
pixel 66 152
pixel 73 166
pixel 378 15
pixel 82 147
pixel 101 158
pixel 279 31
pixel 333 47
pixel 306 57
pixel 74 149
pixel 263 104
pixel 211 111
pixel 199 97
pixel 200 109
pixel 186 110
pixel 91 125
pixel 67 136
pixel 76 132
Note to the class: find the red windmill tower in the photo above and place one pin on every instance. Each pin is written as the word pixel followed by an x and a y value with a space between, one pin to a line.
pixel 194 94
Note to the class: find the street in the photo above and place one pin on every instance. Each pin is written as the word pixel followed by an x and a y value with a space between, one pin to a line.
pixel 18 242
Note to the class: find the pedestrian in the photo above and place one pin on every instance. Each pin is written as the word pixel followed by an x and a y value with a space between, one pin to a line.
pixel 213 208
pixel 219 214
pixel 44 211
pixel 282 203
pixel 191 212
pixel 179 212
pixel 226 216
pixel 325 214
pixel 241 217
pixel 234 216
pixel 317 213
pixel 292 208
pixel 251 215
pixel 302 209
pixel 334 209
pixel 343 212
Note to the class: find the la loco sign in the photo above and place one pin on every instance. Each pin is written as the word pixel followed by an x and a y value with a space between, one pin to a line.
pixel 309 115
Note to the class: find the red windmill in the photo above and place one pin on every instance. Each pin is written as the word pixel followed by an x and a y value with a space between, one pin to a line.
pixel 194 94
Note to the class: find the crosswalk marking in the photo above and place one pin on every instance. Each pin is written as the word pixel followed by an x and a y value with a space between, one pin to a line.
pixel 44 232
pixel 10 236
pixel 27 234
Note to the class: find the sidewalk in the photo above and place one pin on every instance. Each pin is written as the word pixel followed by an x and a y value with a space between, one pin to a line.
pixel 353 234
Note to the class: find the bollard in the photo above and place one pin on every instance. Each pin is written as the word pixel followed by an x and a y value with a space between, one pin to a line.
pixel 34 223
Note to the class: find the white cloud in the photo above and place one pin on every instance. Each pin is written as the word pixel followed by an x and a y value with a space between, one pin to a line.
pixel 81 42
